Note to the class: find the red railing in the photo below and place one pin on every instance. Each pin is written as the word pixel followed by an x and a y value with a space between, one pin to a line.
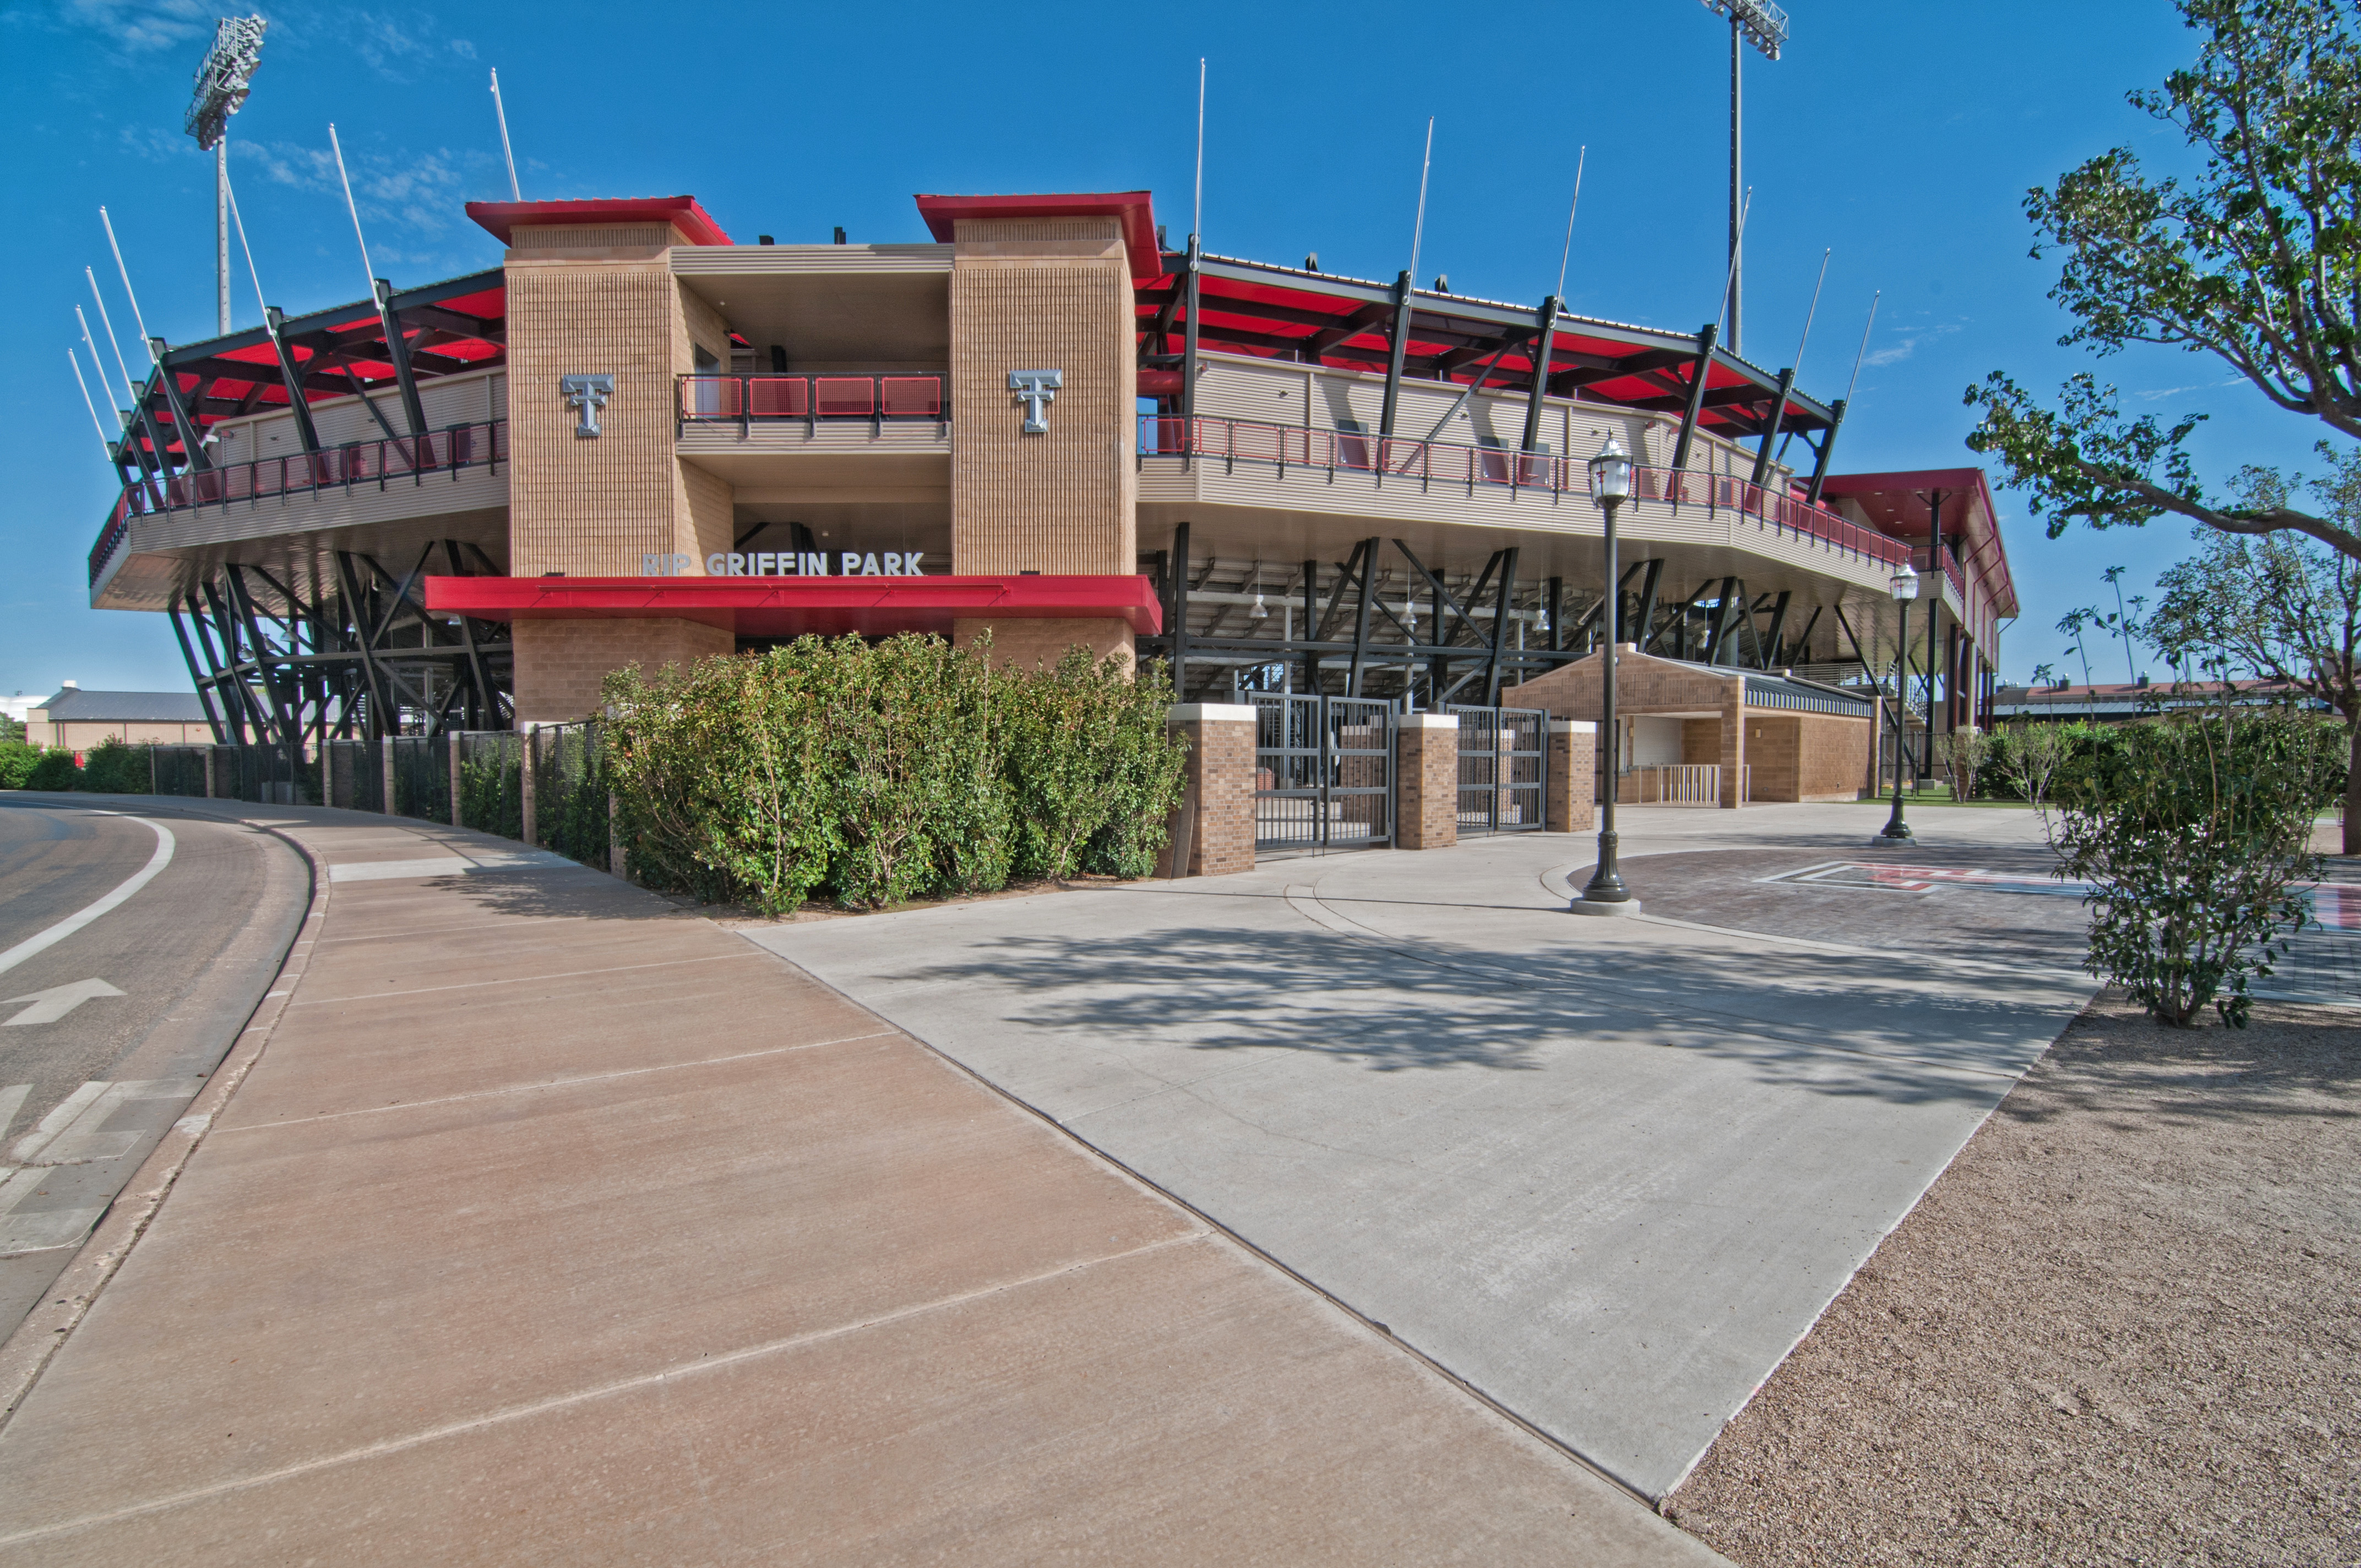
pixel 708 400
pixel 448 450
pixel 1431 463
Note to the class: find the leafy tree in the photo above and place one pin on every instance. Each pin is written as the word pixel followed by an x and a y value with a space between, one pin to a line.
pixel 2278 607
pixel 2255 260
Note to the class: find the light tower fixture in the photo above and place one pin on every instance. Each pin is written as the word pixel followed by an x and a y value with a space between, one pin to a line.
pixel 222 81
pixel 1763 25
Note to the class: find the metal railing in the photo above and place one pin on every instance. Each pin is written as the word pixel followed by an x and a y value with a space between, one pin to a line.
pixel 451 451
pixel 1431 463
pixel 878 398
pixel 1680 784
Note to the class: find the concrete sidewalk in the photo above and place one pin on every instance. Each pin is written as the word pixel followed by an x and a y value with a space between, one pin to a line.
pixel 1608 1171
pixel 552 1222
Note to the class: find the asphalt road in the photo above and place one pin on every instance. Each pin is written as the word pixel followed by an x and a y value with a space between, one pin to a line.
pixel 109 1029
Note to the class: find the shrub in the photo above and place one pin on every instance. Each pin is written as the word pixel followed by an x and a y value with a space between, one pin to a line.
pixel 49 767
pixel 2030 756
pixel 2192 832
pixel 112 768
pixel 881 772
pixel 16 761
pixel 1963 753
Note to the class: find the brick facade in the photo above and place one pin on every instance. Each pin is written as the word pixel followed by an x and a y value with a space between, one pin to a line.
pixel 1216 824
pixel 1426 782
pixel 1808 756
pixel 1573 806
pixel 1029 642
pixel 561 665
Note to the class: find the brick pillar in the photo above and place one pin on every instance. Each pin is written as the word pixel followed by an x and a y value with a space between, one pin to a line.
pixel 1212 833
pixel 1573 775
pixel 1734 743
pixel 1426 781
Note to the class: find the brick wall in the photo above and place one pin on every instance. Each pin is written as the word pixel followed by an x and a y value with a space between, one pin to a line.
pixel 1426 782
pixel 1215 823
pixel 561 664
pixel 1034 294
pixel 1644 686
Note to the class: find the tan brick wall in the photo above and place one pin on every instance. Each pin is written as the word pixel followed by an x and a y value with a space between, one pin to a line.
pixel 1572 781
pixel 1426 787
pixel 544 238
pixel 1701 738
pixel 560 664
pixel 1220 834
pixel 1026 643
pixel 1031 294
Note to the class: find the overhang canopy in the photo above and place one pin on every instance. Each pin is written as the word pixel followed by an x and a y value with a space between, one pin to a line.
pixel 790 606
pixel 1133 207
pixel 697 225
pixel 1899 506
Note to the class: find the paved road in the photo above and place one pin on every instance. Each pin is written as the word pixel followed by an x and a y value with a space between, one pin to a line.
pixel 116 1021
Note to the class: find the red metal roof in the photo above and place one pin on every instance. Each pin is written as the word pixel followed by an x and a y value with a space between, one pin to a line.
pixel 789 606
pixel 681 212
pixel 1895 505
pixel 1133 207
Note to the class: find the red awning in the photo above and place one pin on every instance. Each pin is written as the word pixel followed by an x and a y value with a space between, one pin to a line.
pixel 789 606
pixel 682 211
pixel 1134 208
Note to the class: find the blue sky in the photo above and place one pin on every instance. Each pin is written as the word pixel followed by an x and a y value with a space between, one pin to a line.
pixel 1901 136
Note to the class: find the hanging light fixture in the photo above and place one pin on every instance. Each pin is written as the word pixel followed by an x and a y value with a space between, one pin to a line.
pixel 1261 612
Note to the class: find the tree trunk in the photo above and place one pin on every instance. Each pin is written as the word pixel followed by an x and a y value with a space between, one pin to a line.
pixel 2351 790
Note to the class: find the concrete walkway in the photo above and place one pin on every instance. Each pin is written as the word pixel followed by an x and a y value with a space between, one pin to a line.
pixel 1608 1171
pixel 549 1223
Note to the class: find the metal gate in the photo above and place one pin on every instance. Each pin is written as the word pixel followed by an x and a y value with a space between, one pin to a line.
pixel 1502 765
pixel 1323 773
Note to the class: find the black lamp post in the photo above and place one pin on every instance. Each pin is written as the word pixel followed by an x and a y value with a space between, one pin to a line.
pixel 1610 486
pixel 1905 588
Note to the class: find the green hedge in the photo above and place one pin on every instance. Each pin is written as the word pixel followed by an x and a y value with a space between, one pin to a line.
pixel 24 766
pixel 879 773
pixel 2095 751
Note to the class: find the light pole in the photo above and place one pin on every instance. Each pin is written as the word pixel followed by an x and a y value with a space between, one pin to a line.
pixel 222 81
pixel 1905 588
pixel 1610 486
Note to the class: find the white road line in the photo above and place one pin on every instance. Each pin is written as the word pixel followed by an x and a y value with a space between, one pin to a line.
pixel 57 1121
pixel 11 1098
pixel 72 923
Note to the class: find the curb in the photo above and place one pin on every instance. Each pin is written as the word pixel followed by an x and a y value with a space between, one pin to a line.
pixel 45 1329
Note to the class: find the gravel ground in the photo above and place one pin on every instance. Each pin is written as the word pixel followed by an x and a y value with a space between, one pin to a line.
pixel 2120 1328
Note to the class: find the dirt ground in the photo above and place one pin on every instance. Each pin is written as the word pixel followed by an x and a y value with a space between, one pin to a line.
pixel 2124 1327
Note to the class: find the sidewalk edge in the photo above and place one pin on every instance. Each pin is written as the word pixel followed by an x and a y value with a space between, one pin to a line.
pixel 26 1353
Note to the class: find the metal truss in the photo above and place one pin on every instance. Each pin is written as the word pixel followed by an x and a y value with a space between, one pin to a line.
pixel 356 657
pixel 1382 623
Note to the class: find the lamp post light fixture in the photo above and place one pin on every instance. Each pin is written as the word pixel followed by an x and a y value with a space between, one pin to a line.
pixel 1611 486
pixel 1905 588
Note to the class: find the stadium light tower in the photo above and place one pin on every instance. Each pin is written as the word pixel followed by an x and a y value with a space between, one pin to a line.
pixel 222 83
pixel 1763 25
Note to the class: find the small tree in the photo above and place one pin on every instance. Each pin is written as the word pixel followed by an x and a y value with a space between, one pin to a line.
pixel 1963 753
pixel 2035 754
pixel 2192 833
pixel 2255 261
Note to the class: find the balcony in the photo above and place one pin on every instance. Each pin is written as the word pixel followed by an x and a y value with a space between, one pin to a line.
pixel 360 465
pixel 1448 470
pixel 878 405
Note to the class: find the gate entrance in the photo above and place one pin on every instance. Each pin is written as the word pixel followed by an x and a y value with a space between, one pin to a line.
pixel 1501 763
pixel 1323 773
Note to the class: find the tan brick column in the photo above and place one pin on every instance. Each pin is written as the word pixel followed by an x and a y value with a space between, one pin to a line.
pixel 1573 775
pixel 1049 293
pixel 1426 781
pixel 1212 833
pixel 1733 742
pixel 603 301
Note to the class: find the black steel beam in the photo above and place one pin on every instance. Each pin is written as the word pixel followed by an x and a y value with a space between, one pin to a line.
pixel 1699 375
pixel 397 349
pixel 1770 428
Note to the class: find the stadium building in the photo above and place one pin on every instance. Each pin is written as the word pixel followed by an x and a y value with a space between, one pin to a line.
pixel 459 506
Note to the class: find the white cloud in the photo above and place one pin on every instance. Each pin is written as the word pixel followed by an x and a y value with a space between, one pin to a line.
pixel 1902 350
pixel 418 192
pixel 463 48
pixel 141 26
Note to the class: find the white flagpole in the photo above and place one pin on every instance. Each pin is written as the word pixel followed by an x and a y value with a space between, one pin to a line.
pixel 138 319
pixel 367 270
pixel 95 423
pixel 516 195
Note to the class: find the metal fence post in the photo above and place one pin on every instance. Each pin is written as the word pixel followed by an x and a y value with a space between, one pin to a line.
pixel 453 738
pixel 385 765
pixel 526 777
